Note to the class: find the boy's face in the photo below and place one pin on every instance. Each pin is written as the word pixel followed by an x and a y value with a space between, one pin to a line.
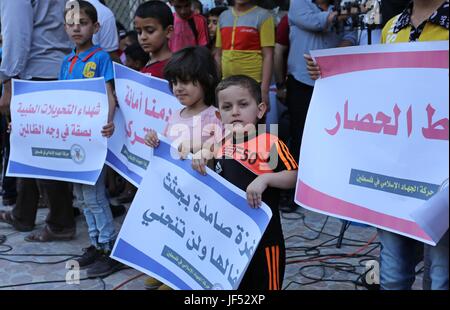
pixel 125 42
pixel 151 35
pixel 183 8
pixel 212 25
pixel 238 108
pixel 133 64
pixel 82 32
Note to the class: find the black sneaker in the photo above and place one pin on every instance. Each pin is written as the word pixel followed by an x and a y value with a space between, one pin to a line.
pixel 104 266
pixel 126 198
pixel 76 212
pixel 10 201
pixel 91 254
pixel 117 210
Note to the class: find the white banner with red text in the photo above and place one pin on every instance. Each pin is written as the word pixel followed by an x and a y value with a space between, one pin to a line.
pixel 145 103
pixel 56 130
pixel 375 144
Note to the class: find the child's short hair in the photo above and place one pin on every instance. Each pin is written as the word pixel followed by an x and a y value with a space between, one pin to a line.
pixel 171 1
pixel 121 30
pixel 132 35
pixel 135 52
pixel 253 87
pixel 194 64
pixel 217 11
pixel 196 4
pixel 87 8
pixel 156 9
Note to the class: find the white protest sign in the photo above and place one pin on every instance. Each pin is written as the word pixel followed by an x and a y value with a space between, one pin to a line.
pixel 375 143
pixel 56 130
pixel 145 103
pixel 188 230
pixel 433 216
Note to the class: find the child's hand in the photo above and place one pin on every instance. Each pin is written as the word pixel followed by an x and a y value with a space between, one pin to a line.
pixel 255 191
pixel 200 159
pixel 184 149
pixel 199 165
pixel 108 130
pixel 151 139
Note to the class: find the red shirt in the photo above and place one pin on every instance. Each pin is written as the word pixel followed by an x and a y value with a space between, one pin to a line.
pixel 282 36
pixel 156 69
pixel 183 35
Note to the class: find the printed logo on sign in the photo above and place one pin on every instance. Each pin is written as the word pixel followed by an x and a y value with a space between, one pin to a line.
pixel 77 153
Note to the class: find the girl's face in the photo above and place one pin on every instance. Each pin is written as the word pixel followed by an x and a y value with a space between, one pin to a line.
pixel 188 93
pixel 238 108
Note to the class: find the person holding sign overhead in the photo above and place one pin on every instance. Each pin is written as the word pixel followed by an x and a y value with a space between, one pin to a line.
pixel 422 20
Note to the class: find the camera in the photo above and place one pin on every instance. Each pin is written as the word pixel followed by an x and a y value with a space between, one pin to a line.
pixel 358 14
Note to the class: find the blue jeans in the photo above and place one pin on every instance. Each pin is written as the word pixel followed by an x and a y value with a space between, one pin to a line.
pixel 398 259
pixel 436 265
pixel 92 199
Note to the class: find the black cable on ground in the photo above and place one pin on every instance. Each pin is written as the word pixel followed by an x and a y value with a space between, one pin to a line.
pixel 51 281
pixel 313 253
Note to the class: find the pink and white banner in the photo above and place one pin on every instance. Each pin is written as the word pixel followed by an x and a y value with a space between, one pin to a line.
pixel 375 145
pixel 145 103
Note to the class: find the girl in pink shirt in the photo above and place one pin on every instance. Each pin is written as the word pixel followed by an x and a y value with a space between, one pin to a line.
pixel 193 77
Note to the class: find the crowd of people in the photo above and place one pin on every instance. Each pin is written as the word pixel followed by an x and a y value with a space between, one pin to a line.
pixel 220 60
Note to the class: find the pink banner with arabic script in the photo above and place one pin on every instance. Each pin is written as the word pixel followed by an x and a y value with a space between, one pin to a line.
pixel 375 143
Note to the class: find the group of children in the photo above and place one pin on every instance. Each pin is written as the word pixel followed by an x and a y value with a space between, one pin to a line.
pixel 237 103
pixel 238 50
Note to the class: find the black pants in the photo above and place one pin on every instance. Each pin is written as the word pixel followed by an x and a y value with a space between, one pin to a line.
pixel 266 270
pixel 57 194
pixel 8 183
pixel 297 100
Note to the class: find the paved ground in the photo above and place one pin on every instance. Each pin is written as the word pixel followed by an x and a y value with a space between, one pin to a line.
pixel 310 238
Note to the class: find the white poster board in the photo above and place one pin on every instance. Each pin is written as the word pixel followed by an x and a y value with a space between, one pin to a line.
pixel 145 103
pixel 188 230
pixel 56 130
pixel 375 143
